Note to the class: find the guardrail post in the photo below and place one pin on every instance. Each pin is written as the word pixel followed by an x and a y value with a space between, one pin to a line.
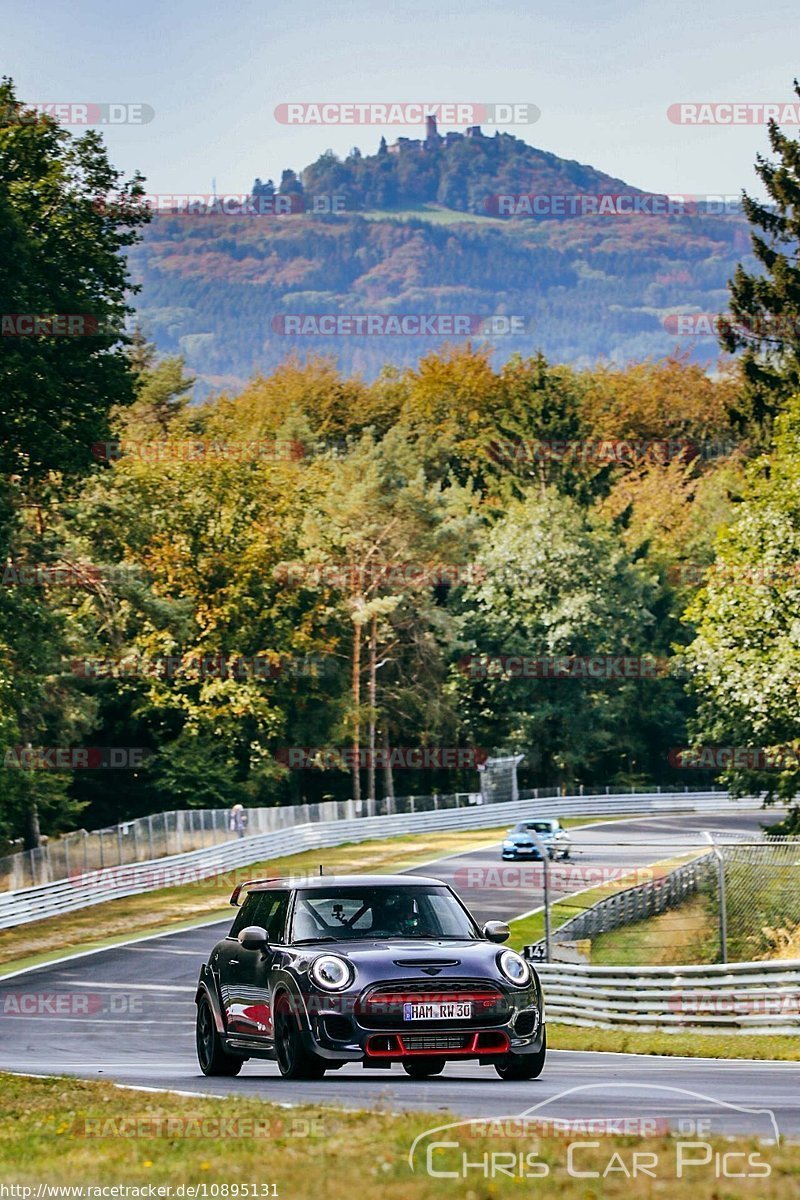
pixel 150 836
pixel 545 857
pixel 723 906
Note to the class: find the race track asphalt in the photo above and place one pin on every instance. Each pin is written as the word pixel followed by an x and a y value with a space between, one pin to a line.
pixel 127 1014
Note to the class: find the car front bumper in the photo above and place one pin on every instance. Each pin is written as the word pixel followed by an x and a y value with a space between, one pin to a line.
pixel 343 1038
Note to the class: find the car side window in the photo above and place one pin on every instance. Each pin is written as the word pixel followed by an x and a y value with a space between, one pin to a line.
pixel 267 909
pixel 272 914
pixel 245 915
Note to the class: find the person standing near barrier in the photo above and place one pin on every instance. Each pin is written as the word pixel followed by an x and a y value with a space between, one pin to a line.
pixel 238 820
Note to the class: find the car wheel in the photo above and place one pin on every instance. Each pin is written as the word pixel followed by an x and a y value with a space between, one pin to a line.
pixel 212 1057
pixel 522 1066
pixel 421 1068
pixel 294 1060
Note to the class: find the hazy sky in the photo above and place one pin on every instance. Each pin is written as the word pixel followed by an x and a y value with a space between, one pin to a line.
pixel 603 75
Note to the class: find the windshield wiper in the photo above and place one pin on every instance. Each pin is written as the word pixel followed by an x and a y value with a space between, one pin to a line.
pixel 323 937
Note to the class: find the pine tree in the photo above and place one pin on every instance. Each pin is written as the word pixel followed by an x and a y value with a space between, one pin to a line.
pixel 764 318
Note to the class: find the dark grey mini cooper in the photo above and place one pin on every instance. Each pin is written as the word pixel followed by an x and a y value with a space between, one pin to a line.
pixel 371 969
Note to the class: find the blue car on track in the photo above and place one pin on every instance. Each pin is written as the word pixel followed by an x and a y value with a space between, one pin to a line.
pixel 519 844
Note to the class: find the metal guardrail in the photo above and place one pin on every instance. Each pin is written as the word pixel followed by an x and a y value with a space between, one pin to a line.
pixel 633 904
pixel 85 888
pixel 747 998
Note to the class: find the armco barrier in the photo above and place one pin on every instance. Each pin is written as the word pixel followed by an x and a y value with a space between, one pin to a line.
pixel 750 997
pixel 633 903
pixel 83 889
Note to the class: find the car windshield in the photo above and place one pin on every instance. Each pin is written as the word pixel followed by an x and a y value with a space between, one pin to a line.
pixel 536 826
pixel 350 913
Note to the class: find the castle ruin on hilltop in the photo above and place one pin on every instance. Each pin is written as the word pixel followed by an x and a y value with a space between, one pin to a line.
pixel 433 139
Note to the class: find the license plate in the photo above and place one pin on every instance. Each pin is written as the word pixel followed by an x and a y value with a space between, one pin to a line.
pixel 437 1011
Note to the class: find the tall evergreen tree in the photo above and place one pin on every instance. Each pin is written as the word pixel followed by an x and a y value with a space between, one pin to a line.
pixel 764 318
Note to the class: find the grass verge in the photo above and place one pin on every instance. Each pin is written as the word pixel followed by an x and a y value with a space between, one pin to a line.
pixel 679 935
pixel 680 1044
pixel 66 1132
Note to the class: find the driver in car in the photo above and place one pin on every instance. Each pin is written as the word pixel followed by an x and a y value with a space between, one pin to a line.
pixel 398 917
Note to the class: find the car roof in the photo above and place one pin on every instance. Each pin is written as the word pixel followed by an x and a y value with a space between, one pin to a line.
pixel 326 881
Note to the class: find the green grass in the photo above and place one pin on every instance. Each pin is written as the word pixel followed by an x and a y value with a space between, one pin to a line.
pixel 434 214
pixel 681 1043
pixel 685 934
pixel 310 1151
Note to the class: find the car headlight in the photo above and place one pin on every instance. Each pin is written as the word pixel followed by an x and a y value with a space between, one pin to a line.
pixel 514 967
pixel 508 845
pixel 331 973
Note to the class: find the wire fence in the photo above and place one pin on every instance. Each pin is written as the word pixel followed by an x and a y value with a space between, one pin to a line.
pixel 761 898
pixel 737 901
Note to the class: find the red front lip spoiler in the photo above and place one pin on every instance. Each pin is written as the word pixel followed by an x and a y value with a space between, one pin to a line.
pixel 492 1041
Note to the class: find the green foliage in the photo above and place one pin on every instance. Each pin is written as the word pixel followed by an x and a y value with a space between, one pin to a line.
pixel 765 304
pixel 560 585
pixel 60 249
pixel 60 256
pixel 745 659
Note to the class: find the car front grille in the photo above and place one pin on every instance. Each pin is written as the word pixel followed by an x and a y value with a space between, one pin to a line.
pixel 382 1006
pixel 435 1041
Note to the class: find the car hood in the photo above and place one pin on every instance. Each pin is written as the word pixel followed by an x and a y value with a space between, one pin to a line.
pixel 526 839
pixel 389 960
pixel 399 958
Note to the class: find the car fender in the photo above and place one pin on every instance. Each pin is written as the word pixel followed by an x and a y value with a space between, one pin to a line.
pixel 207 986
pixel 285 981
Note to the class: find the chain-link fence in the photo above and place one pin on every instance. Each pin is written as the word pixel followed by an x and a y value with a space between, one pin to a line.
pixel 736 900
pixel 761 896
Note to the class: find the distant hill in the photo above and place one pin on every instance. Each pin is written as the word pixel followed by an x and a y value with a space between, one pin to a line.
pixel 425 228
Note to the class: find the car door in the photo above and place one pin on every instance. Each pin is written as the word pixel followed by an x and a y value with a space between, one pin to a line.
pixel 248 1008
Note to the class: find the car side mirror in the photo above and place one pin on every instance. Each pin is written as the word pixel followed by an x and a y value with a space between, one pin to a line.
pixel 496 931
pixel 253 937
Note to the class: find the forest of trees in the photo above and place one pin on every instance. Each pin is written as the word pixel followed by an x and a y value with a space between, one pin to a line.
pixel 245 586
pixel 215 290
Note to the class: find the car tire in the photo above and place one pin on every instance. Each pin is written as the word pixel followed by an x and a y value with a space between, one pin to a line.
pixel 213 1059
pixel 422 1068
pixel 522 1066
pixel 294 1060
